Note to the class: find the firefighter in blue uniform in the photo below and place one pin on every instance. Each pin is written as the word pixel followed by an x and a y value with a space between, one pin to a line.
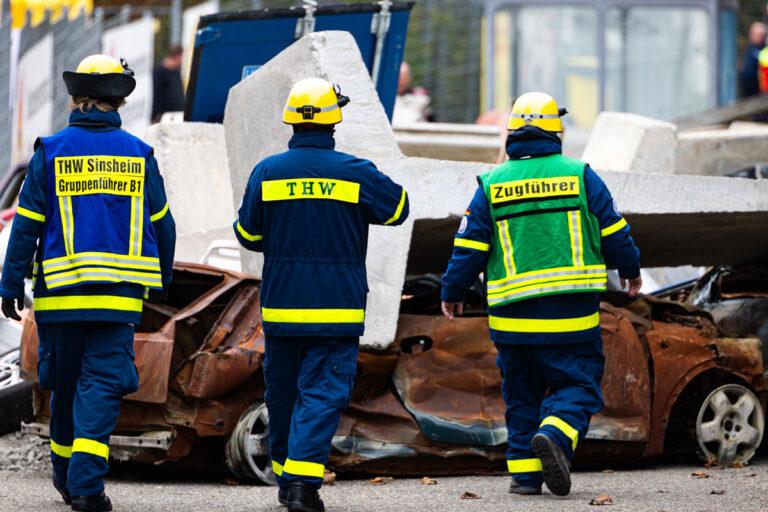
pixel 93 216
pixel 541 227
pixel 308 210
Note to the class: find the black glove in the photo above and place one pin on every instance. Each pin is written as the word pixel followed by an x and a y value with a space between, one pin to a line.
pixel 9 308
pixel 157 296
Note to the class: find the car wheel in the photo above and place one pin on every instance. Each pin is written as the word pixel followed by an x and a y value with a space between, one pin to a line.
pixel 247 450
pixel 15 394
pixel 730 425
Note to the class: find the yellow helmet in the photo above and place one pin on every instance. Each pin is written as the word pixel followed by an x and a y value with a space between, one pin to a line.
pixel 314 101
pixel 100 76
pixel 537 109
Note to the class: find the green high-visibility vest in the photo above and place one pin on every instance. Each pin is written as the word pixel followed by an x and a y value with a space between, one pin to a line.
pixel 545 241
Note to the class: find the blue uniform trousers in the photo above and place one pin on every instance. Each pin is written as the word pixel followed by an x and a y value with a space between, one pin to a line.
pixel 88 366
pixel 553 389
pixel 309 382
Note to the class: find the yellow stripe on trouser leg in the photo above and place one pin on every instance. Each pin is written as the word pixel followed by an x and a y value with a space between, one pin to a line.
pixel 524 466
pixel 299 468
pixel 91 447
pixel 277 468
pixel 61 450
pixel 563 427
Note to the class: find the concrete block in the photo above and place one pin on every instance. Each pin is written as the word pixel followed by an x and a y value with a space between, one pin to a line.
pixel 675 219
pixel 630 142
pixel 717 152
pixel 193 162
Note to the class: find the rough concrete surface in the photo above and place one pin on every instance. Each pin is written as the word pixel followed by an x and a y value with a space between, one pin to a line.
pixel 675 219
pixel 254 130
pixel 631 142
pixel 193 162
pixel 717 152
pixel 668 488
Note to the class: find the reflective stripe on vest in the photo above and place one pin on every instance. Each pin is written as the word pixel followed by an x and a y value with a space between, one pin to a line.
pixel 98 227
pixel 546 241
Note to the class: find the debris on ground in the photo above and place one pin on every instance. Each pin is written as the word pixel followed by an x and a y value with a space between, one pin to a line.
pixel 700 474
pixel 19 452
pixel 428 481
pixel 466 495
pixel 602 500
pixel 381 480
pixel 717 492
pixel 608 471
pixel 736 465
pixel 329 477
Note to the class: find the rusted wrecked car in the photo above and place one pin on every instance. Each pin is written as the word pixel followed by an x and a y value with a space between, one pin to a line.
pixel 431 404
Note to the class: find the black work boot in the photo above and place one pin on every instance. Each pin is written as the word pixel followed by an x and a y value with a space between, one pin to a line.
pixel 523 490
pixel 282 495
pixel 97 503
pixel 554 464
pixel 62 490
pixel 303 497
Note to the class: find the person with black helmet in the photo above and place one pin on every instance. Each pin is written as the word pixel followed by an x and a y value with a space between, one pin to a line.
pixel 94 217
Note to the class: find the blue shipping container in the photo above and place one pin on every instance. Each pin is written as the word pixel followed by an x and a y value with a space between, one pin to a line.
pixel 232 45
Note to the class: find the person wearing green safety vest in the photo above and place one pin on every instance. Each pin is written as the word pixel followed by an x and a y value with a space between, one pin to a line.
pixel 542 228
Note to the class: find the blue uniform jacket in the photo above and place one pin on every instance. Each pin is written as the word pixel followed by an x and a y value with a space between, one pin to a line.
pixel 618 248
pixel 109 300
pixel 308 210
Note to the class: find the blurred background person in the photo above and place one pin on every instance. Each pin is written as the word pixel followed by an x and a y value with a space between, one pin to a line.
pixel 749 72
pixel 168 89
pixel 413 104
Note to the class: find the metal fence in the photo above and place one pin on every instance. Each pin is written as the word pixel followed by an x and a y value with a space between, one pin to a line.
pixel 72 42
pixel 443 49
pixel 5 71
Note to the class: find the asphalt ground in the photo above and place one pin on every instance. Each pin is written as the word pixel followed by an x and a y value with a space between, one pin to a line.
pixel 658 487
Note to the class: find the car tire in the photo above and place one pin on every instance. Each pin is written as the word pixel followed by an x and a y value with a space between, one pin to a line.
pixel 15 394
pixel 729 425
pixel 247 449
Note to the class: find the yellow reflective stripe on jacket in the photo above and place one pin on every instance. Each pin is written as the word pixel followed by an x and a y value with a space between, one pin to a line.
pixel 544 325
pixel 102 259
pixel 313 316
pixel 547 279
pixel 137 226
pixel 507 251
pixel 67 223
pixel 277 468
pixel 310 188
pixel 471 244
pixel 159 215
pixel 577 238
pixel 613 228
pixel 90 446
pixel 544 273
pixel 399 210
pixel 299 468
pixel 524 466
pixel 39 217
pixel 247 235
pixel 61 450
pixel 90 274
pixel 88 302
pixel 563 427
pixel 586 285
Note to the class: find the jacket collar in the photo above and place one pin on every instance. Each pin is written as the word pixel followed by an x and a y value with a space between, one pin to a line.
pixel 95 118
pixel 321 140
pixel 532 142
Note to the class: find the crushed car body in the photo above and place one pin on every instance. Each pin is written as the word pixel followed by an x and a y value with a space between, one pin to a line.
pixel 431 403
